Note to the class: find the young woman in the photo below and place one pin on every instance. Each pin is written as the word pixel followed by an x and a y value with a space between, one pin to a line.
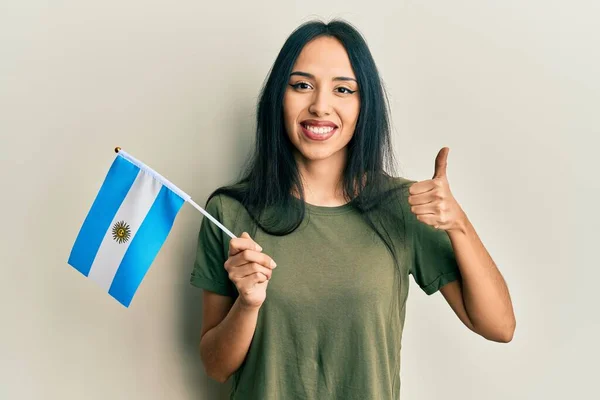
pixel 309 301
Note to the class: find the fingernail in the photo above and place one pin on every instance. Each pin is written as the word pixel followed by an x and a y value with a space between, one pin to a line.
pixel 273 264
pixel 258 248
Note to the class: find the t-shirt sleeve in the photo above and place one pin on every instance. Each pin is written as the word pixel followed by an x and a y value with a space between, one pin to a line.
pixel 209 272
pixel 432 261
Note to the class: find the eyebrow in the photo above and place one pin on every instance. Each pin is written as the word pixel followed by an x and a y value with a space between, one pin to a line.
pixel 311 76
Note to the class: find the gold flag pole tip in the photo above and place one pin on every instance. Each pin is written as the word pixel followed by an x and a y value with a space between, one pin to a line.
pixel 117 149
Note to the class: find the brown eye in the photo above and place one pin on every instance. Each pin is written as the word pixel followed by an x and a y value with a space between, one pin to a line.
pixel 345 90
pixel 300 85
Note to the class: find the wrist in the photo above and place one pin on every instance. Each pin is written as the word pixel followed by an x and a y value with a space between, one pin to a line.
pixel 461 224
pixel 247 308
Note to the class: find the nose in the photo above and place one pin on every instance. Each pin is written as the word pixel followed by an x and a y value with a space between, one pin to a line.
pixel 321 104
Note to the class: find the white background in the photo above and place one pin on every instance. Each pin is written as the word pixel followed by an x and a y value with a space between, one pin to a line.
pixel 512 87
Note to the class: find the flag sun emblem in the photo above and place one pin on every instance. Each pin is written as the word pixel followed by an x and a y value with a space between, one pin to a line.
pixel 121 232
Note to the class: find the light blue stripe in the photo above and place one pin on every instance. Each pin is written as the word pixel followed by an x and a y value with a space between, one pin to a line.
pixel 113 191
pixel 145 245
pixel 155 174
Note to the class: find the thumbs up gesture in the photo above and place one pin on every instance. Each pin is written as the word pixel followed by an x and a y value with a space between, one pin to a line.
pixel 432 201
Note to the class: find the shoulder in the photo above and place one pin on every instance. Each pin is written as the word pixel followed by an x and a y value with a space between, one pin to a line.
pixel 230 212
pixel 396 203
pixel 395 188
pixel 222 202
pixel 399 182
pixel 223 206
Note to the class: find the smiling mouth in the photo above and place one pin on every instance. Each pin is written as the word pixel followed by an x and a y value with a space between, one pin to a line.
pixel 323 130
pixel 318 133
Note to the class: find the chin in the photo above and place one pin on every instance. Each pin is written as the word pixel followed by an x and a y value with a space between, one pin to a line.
pixel 312 155
pixel 314 151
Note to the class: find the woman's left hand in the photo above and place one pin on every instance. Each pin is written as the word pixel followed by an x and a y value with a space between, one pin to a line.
pixel 432 201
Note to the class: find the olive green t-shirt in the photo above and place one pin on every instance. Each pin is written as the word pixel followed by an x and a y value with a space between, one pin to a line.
pixel 331 324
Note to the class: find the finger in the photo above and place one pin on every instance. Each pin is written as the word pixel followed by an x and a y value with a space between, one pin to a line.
pixel 247 284
pixel 424 209
pixel 244 242
pixel 247 256
pixel 441 162
pixel 423 198
pixel 260 278
pixel 429 219
pixel 422 187
pixel 248 270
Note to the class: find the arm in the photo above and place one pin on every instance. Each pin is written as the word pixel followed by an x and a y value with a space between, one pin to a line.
pixel 227 331
pixel 481 298
pixel 228 327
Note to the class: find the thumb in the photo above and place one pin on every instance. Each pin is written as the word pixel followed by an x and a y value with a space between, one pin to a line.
pixel 245 235
pixel 441 161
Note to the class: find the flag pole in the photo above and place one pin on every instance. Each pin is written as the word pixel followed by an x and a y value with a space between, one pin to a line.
pixel 197 207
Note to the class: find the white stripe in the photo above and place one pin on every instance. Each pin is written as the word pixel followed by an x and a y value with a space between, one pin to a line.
pixel 133 211
pixel 156 175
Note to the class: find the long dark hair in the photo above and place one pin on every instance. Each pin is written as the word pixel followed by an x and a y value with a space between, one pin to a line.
pixel 370 164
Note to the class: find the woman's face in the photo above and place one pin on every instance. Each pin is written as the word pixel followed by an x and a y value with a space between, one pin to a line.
pixel 321 102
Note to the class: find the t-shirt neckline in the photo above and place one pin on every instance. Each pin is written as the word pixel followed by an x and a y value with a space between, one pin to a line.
pixel 328 210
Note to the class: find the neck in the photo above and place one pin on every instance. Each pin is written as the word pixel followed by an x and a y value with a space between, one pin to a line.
pixel 323 179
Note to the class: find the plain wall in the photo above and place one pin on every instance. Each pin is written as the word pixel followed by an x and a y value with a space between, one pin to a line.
pixel 512 87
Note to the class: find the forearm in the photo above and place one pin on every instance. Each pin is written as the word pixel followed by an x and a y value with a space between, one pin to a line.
pixel 485 294
pixel 224 347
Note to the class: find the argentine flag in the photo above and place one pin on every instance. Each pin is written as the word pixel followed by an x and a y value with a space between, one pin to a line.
pixel 126 226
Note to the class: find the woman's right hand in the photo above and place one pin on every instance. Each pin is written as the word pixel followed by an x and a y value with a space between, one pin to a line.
pixel 249 269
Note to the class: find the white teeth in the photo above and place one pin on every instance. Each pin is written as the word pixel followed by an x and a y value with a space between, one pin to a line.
pixel 319 131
